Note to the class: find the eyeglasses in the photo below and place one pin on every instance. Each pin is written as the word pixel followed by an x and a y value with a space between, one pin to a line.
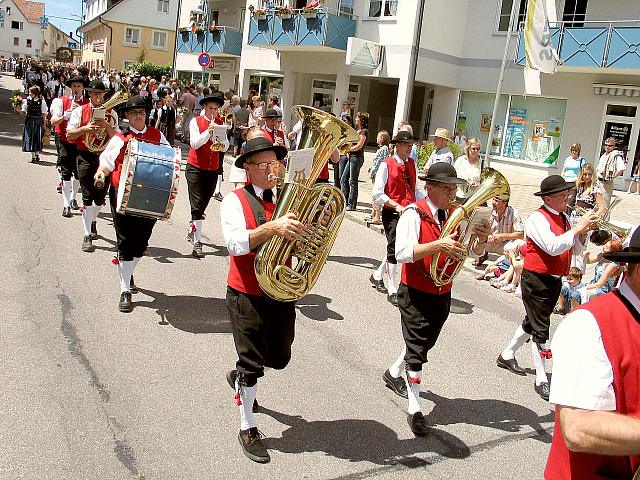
pixel 450 189
pixel 264 165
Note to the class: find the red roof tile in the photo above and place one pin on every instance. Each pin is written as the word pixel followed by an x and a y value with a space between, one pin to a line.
pixel 31 10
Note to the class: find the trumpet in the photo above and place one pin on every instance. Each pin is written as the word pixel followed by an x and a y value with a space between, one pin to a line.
pixel 602 224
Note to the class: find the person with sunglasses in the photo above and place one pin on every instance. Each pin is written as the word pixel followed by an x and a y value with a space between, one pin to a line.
pixel 573 163
pixel 610 166
pixel 549 245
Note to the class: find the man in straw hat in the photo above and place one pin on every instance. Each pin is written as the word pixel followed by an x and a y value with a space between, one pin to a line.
pixel 81 123
pixel 596 382
pixel 424 306
pixel 263 328
pixel 61 109
pixel 395 187
pixel 441 152
pixel 550 240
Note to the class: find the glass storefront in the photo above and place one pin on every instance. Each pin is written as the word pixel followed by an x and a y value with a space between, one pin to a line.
pixel 526 128
pixel 212 80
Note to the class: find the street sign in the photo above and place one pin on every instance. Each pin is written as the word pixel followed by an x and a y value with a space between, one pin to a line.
pixel 204 59
pixel 72 44
pixel 44 21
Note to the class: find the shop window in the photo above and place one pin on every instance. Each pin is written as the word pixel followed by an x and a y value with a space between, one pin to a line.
pixel 382 8
pixel 574 13
pixel 505 14
pixel 474 117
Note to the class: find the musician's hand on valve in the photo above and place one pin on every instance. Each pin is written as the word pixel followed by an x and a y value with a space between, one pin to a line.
pixel 452 248
pixel 587 222
pixel 101 123
pixel 288 227
pixel 92 126
pixel 279 142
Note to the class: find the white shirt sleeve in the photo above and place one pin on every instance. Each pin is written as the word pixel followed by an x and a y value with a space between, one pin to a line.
pixel 418 193
pixel 115 116
pixel 163 140
pixel 43 107
pixel 407 231
pixel 23 107
pixel 110 154
pixel 197 139
pixel 620 165
pixel 56 109
pixel 582 373
pixel 539 230
pixel 234 225
pixel 377 192
pixel 75 119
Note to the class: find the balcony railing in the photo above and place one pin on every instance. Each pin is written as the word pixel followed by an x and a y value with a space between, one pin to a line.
pixel 326 28
pixel 222 40
pixel 613 44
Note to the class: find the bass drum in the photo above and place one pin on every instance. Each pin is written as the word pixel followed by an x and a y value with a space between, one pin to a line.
pixel 149 180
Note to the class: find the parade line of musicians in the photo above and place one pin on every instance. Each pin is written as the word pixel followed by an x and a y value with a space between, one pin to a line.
pixel 596 371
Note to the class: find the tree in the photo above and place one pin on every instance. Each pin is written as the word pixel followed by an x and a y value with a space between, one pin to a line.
pixel 151 70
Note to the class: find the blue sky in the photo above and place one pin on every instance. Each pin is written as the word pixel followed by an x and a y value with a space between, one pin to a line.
pixel 69 9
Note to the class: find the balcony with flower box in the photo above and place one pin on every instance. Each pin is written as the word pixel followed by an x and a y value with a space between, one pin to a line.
pixel 216 40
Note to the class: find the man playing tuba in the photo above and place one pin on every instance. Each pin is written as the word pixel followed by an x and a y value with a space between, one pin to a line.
pixel 80 123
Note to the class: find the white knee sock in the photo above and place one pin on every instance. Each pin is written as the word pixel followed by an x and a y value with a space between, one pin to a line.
pixel 135 261
pixel 125 270
pixel 86 219
pixel 218 185
pixel 391 272
pixel 398 366
pixel 197 234
pixel 76 187
pixel 96 211
pixel 538 363
pixel 67 192
pixel 516 342
pixel 377 275
pixel 413 391
pixel 247 397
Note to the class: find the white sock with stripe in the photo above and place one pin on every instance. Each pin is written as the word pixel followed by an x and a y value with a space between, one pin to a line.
pixel 539 364
pixel 247 397
pixel 413 380
pixel 125 270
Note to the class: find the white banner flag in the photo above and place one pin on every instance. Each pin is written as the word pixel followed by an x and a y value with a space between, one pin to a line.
pixel 540 54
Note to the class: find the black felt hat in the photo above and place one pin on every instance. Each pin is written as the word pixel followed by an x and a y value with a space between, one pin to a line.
pixel 403 137
pixel 631 254
pixel 259 144
pixel 441 172
pixel 272 113
pixel 76 79
pixel 96 86
pixel 134 102
pixel 553 184
pixel 215 97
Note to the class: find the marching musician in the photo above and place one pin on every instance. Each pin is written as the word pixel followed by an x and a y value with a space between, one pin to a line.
pixel 202 165
pixel 395 187
pixel 610 166
pixel 271 127
pixel 61 109
pixel 596 364
pixel 263 328
pixel 132 232
pixel 80 123
pixel 550 240
pixel 424 306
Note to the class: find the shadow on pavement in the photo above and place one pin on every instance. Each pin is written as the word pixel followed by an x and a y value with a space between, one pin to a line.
pixel 364 262
pixel 316 307
pixel 359 440
pixel 188 313
pixel 461 307
pixel 498 414
pixel 166 255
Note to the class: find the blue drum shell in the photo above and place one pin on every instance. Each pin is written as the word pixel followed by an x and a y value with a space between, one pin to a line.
pixel 151 186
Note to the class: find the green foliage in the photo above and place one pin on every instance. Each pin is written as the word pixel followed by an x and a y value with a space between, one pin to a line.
pixel 151 70
pixel 425 149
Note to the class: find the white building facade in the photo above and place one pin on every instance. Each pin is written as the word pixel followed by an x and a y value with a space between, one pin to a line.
pixel 20 33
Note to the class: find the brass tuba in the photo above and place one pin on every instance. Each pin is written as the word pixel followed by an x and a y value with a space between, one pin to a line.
pixel 492 184
pixel 97 141
pixel 287 270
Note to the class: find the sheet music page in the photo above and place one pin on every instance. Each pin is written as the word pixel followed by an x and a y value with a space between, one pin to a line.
pixel 219 135
pixel 299 165
pixel 98 113
pixel 480 216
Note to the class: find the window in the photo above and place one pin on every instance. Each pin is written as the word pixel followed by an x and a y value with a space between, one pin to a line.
pixel 28 43
pixel 126 64
pixel 505 15
pixel 621 110
pixel 345 7
pixel 59 37
pixel 163 6
pixel 382 8
pixel 8 10
pixel 159 40
pixel 131 36
pixel 16 41
pixel 16 25
pixel 574 12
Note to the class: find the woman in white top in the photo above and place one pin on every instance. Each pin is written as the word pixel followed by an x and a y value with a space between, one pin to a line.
pixel 468 168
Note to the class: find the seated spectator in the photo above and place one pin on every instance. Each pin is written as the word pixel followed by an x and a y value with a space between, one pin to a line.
pixel 570 293
pixel 505 225
pixel 606 272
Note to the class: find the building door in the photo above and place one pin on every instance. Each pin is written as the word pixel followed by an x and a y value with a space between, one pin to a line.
pixel 621 122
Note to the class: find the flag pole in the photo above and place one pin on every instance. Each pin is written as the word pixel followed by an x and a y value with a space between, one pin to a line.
pixel 515 8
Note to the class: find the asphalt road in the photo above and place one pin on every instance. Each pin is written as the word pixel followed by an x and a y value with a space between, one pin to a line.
pixel 88 392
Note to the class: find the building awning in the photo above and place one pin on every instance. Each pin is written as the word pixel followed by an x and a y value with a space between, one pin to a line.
pixel 616 90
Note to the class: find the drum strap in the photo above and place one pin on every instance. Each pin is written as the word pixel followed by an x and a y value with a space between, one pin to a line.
pixel 256 205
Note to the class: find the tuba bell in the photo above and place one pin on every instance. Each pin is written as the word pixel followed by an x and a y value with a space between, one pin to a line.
pixel 96 142
pixel 492 184
pixel 286 270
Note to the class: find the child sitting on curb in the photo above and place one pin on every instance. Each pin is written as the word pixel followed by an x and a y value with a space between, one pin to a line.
pixel 570 292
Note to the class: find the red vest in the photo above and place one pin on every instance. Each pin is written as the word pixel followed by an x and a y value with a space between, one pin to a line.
pixel 242 275
pixel 416 275
pixel 324 174
pixel 270 136
pixel 203 157
pixel 151 135
pixel 620 331
pixel 61 128
pixel 401 182
pixel 539 261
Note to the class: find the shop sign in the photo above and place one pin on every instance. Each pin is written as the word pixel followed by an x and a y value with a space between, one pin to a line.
pixel 539 130
pixel 485 122
pixel 98 46
pixel 223 64
pixel 514 135
pixel 620 131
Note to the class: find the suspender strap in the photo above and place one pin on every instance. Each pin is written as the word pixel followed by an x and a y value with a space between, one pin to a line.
pixel 256 205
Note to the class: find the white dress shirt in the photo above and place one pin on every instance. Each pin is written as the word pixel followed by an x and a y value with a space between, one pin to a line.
pixel 110 154
pixel 56 109
pixel 382 175
pixel 602 163
pixel 43 106
pixel 197 139
pixel 582 372
pixel 408 231
pixel 233 223
pixel 440 155
pixel 537 228
pixel 76 119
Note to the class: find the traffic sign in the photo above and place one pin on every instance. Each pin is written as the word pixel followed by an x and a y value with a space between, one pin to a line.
pixel 204 59
pixel 44 21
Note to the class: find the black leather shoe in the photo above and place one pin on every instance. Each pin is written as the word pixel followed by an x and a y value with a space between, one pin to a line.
pixel 252 446
pixel 397 385
pixel 418 424
pixel 231 380
pixel 87 244
pixel 125 305
pixel 197 250
pixel 190 237
pixel 543 390
pixel 511 365
pixel 66 212
pixel 378 284
pixel 218 196
pixel 133 288
pixel 393 299
pixel 94 230
pixel 74 205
